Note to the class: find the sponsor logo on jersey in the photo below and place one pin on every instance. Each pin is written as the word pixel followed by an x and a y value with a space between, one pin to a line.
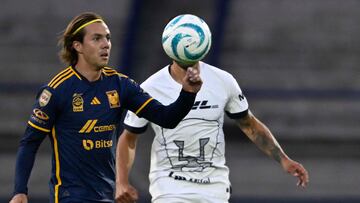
pixel 95 101
pixel 203 105
pixel 97 144
pixel 104 128
pixel 88 144
pixel 113 98
pixel 90 125
pixel 241 97
pixel 44 97
pixel 33 117
pixel 193 180
pixel 40 114
pixel 192 163
pixel 78 103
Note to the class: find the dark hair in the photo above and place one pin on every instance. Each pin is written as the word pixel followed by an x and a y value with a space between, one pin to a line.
pixel 67 53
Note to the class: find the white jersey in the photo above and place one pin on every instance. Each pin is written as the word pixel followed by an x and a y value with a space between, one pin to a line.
pixel 194 152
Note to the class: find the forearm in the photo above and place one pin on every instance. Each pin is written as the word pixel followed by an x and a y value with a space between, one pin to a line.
pixel 262 137
pixel 125 155
pixel 25 159
pixel 171 115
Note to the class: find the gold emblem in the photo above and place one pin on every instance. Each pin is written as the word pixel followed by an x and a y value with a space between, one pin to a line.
pixel 88 144
pixel 95 101
pixel 113 98
pixel 44 97
pixel 78 103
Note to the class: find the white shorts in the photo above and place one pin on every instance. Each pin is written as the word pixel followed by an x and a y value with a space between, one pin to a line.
pixel 166 190
pixel 188 198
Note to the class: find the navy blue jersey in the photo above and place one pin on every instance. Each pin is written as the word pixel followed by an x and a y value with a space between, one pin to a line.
pixel 80 118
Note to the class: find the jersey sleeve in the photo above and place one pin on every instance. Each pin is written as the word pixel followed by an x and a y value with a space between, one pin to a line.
pixel 237 105
pixel 43 113
pixel 39 125
pixel 135 124
pixel 144 106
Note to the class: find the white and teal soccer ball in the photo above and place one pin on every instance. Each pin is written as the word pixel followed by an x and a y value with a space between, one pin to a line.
pixel 186 39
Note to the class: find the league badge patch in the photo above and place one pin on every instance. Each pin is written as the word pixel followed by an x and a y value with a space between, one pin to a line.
pixel 44 97
pixel 113 98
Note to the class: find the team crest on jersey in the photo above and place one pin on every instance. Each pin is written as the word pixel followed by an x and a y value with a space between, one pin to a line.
pixel 40 114
pixel 113 98
pixel 44 97
pixel 78 103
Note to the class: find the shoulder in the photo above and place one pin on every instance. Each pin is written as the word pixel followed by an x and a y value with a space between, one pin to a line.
pixel 158 76
pixel 114 76
pixel 216 75
pixel 210 69
pixel 62 78
pixel 110 72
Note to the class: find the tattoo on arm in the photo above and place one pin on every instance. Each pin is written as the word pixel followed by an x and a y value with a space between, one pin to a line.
pixel 261 136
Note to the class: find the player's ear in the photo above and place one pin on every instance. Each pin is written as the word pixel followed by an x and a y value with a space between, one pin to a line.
pixel 77 46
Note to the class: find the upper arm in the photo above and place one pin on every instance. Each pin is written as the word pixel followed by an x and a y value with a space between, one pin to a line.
pixel 236 105
pixel 135 98
pixel 248 124
pixel 44 111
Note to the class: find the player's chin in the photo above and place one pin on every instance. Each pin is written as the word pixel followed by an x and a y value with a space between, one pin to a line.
pixel 103 63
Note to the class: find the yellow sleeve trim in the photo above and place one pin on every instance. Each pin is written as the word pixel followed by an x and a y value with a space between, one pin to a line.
pixel 142 106
pixel 37 127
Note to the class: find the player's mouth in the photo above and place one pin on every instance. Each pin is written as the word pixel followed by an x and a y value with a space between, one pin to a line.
pixel 104 56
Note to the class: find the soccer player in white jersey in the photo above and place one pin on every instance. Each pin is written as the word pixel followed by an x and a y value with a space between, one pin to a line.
pixel 188 162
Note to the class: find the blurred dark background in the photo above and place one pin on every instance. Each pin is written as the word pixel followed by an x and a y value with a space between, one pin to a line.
pixel 296 61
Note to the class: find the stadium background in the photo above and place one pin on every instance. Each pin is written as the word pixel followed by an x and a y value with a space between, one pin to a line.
pixel 297 61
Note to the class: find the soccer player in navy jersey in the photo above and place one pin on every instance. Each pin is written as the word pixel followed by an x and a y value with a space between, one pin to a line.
pixel 79 110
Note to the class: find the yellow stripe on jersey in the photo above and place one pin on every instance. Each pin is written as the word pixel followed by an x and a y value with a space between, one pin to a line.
pixel 37 127
pixel 85 126
pixel 109 72
pixel 62 80
pixel 142 106
pixel 58 75
pixel 95 101
pixel 91 126
pixel 65 74
pixel 57 166
pixel 77 75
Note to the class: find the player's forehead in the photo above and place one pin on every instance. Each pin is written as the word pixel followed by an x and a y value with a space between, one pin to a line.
pixel 99 28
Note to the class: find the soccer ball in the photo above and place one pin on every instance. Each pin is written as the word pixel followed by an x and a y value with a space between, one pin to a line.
pixel 186 39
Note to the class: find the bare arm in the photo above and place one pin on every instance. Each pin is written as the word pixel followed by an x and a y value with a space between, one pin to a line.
pixel 262 137
pixel 125 155
pixel 19 198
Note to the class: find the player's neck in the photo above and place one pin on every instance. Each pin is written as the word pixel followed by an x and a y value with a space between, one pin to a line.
pixel 89 72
